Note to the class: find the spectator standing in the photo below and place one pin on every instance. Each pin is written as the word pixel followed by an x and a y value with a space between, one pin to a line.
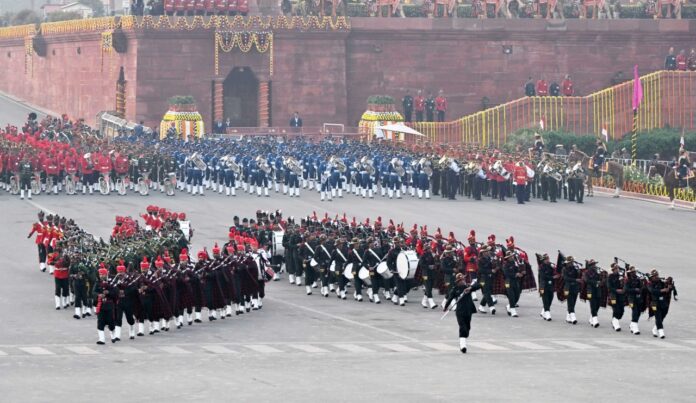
pixel 296 122
pixel 554 89
pixel 670 60
pixel 407 103
pixel 430 107
pixel 567 86
pixel 441 106
pixel 542 87
pixel 219 127
pixel 692 60
pixel 139 130
pixel 419 104
pixel 682 60
pixel 529 88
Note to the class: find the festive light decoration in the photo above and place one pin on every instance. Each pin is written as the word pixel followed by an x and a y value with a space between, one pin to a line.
pixel 264 111
pixel 244 40
pixel 372 116
pixel 107 47
pixel 29 55
pixel 19 31
pixel 84 25
pixel 121 95
pixel 187 123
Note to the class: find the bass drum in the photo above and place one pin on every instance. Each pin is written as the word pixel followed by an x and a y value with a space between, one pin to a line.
pixel 278 249
pixel 383 271
pixel 348 271
pixel 406 264
pixel 364 275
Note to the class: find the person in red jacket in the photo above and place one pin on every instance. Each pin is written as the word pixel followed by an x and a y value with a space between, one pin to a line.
pixel 52 172
pixel 567 86
pixel 221 7
pixel 87 168
pixel 38 229
pixel 169 8
pixel 61 275
pixel 441 106
pixel 209 7
pixel 231 7
pixel 682 60
pixel 520 178
pixel 121 166
pixel 243 7
pixel 419 106
pixel 542 87
pixel 180 7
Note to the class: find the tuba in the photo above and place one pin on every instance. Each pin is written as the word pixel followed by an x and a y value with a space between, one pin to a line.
pixel 198 162
pixel 293 165
pixel 262 163
pixel 233 165
pixel 367 165
pixel 338 163
pixel 426 166
pixel 398 167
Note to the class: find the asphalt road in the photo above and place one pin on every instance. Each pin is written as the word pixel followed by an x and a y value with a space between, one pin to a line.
pixel 309 348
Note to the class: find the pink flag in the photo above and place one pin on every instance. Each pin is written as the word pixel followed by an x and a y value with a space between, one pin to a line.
pixel 637 89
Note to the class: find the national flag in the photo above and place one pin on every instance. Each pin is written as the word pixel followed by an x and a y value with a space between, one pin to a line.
pixel 637 89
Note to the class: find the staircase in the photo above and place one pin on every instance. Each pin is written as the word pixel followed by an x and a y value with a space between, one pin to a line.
pixel 669 99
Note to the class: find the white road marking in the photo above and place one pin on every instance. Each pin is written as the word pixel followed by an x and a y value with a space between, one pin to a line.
pixel 40 207
pixel 530 346
pixel 81 350
pixel 400 348
pixel 353 348
pixel 487 346
pixel 441 346
pixel 574 344
pixel 126 350
pixel 2 353
pixel 318 312
pixel 174 350
pixel 218 349
pixel 36 351
pixel 618 344
pixel 663 344
pixel 308 348
pixel 261 348
pixel 689 341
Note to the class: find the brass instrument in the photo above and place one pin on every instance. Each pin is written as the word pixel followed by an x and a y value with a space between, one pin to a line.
pixel 398 166
pixel 198 162
pixel 426 166
pixel 229 162
pixel 444 162
pixel 293 165
pixel 338 163
pixel 262 163
pixel 367 165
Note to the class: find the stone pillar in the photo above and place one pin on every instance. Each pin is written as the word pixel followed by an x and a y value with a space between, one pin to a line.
pixel 218 100
pixel 264 104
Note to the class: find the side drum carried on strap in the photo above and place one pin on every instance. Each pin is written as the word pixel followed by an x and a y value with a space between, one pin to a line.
pixel 278 249
pixel 383 271
pixel 348 271
pixel 364 275
pixel 406 264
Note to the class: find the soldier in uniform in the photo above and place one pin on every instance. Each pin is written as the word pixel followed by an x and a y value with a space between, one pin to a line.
pixel 547 276
pixel 426 262
pixel 513 289
pixel 339 256
pixel 441 106
pixel 355 257
pixel 660 292
pixel 460 293
pixel 571 275
pixel 61 275
pixel 487 270
pixel 26 171
pixel 615 285
pixel 671 60
pixel 430 107
pixel 529 89
pixel 106 297
pixel 567 86
pixel 407 103
pixel 634 291
pixel 594 291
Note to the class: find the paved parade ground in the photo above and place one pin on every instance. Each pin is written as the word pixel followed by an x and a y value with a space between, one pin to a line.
pixel 350 351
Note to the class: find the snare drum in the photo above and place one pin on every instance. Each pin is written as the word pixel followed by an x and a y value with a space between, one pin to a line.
pixel 364 275
pixel 313 263
pixel 406 264
pixel 278 249
pixel 333 266
pixel 348 271
pixel 383 271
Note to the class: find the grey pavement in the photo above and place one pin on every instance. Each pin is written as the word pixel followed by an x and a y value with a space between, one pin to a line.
pixel 308 348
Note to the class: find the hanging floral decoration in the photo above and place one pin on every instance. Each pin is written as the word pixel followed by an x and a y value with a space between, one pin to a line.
pixel 29 55
pixel 107 47
pixel 245 41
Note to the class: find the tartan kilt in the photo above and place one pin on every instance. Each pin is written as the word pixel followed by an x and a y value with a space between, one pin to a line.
pixel 197 292
pixel 603 297
pixel 499 283
pixel 160 306
pixel 558 286
pixel 185 294
pixel 218 295
pixel 528 281
pixel 249 283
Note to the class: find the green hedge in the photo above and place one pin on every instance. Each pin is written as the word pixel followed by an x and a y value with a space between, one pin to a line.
pixel 661 141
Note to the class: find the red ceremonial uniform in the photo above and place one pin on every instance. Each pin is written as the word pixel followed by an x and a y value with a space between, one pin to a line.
pixel 180 6
pixel 471 258
pixel 542 88
pixel 232 6
pixel 441 103
pixel 682 62
pixel 104 164
pixel 221 5
pixel 520 175
pixel 200 6
pixel 210 6
pixel 121 165
pixel 567 88
pixel 169 6
pixel 419 104
pixel 243 6
pixel 61 271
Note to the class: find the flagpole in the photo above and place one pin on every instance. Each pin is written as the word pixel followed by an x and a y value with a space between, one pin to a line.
pixel 634 138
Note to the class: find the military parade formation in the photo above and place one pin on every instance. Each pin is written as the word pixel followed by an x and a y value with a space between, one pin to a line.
pixel 145 272
pixel 60 156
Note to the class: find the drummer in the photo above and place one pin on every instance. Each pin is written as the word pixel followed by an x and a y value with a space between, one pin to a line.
pixel 354 265
pixel 401 288
pixel 372 259
pixel 460 295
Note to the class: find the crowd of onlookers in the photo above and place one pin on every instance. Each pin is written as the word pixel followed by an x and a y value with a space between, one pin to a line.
pixel 542 88
pixel 681 61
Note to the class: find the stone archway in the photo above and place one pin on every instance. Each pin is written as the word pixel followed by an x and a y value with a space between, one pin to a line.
pixel 241 97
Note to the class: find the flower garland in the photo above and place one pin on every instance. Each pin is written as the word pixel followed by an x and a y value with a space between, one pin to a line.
pixel 19 31
pixel 29 55
pixel 107 46
pixel 84 25
pixel 171 116
pixel 244 40
pixel 371 116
